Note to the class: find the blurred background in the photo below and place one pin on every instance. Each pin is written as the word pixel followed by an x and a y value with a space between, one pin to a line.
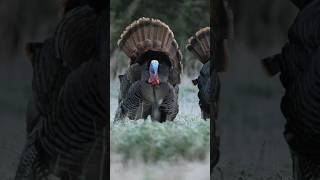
pixel 250 122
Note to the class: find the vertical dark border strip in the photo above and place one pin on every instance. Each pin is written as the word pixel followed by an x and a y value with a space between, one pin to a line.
pixel 105 51
pixel 103 45
pixel 214 35
pixel 212 125
pixel 107 35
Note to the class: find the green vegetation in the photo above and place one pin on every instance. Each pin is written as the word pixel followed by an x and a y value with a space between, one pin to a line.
pixel 184 138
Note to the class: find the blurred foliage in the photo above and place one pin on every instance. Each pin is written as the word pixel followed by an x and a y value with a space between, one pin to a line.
pixel 184 17
pixel 185 138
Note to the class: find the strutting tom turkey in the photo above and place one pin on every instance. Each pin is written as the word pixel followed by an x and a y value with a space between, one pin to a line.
pixel 150 84
pixel 208 82
pixel 199 45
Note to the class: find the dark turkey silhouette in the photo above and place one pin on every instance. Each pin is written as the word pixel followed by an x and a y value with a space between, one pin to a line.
pixel 299 68
pixel 150 85
pixel 67 118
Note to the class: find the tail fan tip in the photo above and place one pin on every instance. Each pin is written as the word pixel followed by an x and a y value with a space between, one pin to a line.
pixel 31 49
pixel 271 66
pixel 195 82
pixel 199 45
pixel 68 5
pixel 121 76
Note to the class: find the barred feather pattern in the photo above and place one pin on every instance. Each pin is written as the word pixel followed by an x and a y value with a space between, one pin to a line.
pixel 293 62
pixel 75 33
pixel 199 44
pixel 124 87
pixel 28 160
pixel 299 73
pixel 170 106
pixel 69 139
pixel 140 101
pixel 206 88
pixel 72 134
pixel 305 168
pixel 47 78
pixel 46 72
pixel 74 131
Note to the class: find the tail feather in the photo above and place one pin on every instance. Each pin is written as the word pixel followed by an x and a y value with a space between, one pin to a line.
pixel 31 49
pixel 73 35
pixel 68 5
pixel 27 162
pixel 199 44
pixel 271 65
pixel 147 34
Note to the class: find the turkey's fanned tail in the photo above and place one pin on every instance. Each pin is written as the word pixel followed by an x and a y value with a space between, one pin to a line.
pixel 147 34
pixel 199 45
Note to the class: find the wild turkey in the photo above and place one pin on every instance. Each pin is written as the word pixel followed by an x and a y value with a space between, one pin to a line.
pixel 299 68
pixel 67 117
pixel 199 45
pixel 150 85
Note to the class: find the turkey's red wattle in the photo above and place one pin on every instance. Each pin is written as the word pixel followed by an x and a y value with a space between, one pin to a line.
pixel 154 80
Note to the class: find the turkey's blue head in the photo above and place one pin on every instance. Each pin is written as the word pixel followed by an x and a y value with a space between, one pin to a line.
pixel 153 72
